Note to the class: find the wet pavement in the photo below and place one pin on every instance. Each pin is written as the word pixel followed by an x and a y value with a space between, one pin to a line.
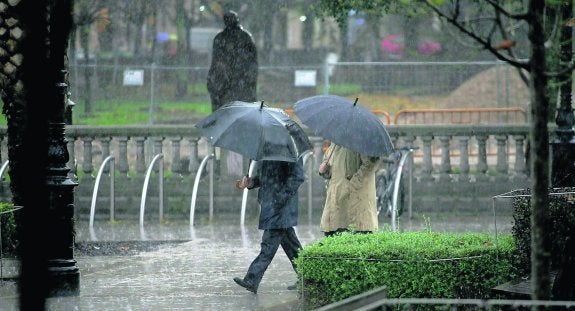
pixel 195 272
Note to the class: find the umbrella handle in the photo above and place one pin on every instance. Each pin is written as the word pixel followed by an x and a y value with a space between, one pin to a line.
pixel 249 164
pixel 245 197
pixel 248 175
pixel 330 154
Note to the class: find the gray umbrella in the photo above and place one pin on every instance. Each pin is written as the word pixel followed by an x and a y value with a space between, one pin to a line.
pixel 255 131
pixel 345 123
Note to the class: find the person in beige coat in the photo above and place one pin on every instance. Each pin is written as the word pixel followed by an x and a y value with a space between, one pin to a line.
pixel 350 200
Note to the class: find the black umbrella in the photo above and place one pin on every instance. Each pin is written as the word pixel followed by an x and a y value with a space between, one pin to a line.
pixel 255 131
pixel 345 123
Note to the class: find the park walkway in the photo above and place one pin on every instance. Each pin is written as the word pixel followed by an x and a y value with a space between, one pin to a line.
pixel 195 270
pixel 194 274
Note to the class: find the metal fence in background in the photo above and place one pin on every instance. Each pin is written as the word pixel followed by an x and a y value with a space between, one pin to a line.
pixel 461 116
pixel 160 83
pixel 493 83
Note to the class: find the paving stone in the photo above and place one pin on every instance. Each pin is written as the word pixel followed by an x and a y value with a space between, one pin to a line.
pixel 192 275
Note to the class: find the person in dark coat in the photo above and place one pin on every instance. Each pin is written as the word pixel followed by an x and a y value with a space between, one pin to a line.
pixel 233 72
pixel 278 184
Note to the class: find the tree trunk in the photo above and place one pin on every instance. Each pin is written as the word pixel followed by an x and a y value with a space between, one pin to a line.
pixel 181 57
pixel 373 23
pixel 154 31
pixel 268 37
pixel 540 255
pixel 140 18
pixel 87 94
pixel 282 33
pixel 308 31
pixel 344 42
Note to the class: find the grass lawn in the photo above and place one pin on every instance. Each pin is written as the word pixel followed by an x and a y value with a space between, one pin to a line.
pixel 122 112
pixel 130 113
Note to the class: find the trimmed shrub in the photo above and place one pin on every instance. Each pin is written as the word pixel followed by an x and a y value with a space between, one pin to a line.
pixel 410 264
pixel 561 213
pixel 8 229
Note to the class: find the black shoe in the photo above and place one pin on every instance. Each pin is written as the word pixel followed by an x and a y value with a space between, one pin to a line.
pixel 292 287
pixel 246 285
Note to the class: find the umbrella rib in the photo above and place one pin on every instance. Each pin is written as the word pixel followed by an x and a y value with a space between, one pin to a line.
pixel 261 133
pixel 220 134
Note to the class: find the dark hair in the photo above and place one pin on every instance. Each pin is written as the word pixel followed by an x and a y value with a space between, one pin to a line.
pixel 231 18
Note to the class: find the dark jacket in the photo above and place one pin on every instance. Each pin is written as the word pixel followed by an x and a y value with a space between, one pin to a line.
pixel 234 69
pixel 278 183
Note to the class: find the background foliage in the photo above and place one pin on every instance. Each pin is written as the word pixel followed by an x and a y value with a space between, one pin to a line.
pixel 561 213
pixel 8 229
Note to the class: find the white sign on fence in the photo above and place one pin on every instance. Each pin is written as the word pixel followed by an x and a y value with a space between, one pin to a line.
pixel 305 78
pixel 133 77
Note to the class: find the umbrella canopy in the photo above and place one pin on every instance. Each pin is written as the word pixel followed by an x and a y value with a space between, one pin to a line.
pixel 345 123
pixel 255 131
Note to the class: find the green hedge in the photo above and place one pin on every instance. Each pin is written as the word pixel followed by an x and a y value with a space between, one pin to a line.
pixel 561 215
pixel 8 229
pixel 411 265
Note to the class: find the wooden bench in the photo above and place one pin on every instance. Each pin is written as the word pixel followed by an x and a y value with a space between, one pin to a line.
pixel 519 288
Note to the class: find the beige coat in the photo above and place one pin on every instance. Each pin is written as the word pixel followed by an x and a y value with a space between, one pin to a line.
pixel 350 198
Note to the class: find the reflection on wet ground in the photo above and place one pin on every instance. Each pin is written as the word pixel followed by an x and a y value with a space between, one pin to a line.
pixel 196 272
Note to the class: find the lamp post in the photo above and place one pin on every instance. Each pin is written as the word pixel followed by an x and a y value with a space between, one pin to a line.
pixel 63 273
pixel 563 146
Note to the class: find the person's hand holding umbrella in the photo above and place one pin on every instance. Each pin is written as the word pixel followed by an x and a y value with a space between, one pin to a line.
pixel 323 167
pixel 245 182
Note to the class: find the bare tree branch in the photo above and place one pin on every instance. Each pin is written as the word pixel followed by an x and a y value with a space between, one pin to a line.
pixel 497 24
pixel 88 12
pixel 454 36
pixel 501 10
pixel 553 31
pixel 485 43
pixel 504 34
pixel 564 71
pixel 523 74
pixel 457 10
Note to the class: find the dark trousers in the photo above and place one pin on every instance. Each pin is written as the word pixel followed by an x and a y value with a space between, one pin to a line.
pixel 271 240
